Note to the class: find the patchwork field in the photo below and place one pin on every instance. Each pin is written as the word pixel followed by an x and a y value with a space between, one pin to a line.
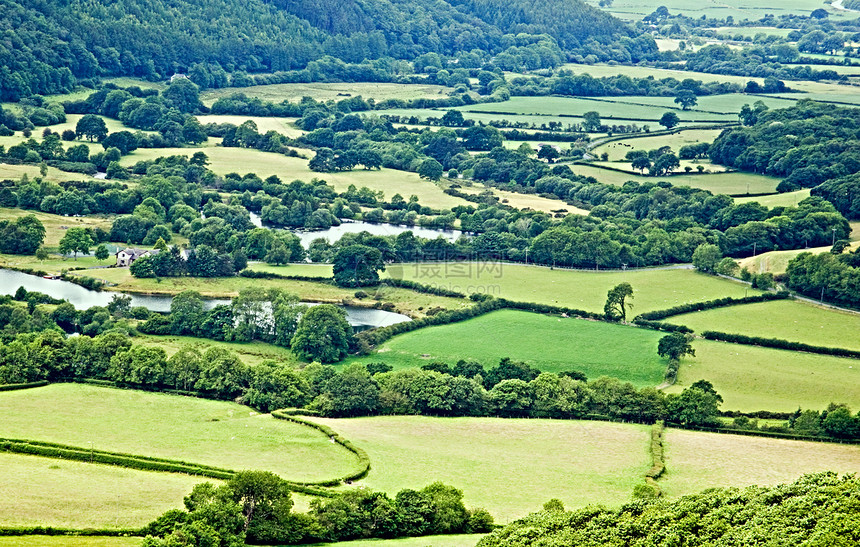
pixel 330 91
pixel 751 378
pixel 786 199
pixel 56 225
pixel 494 460
pixel 739 9
pixel 695 460
pixel 787 319
pixel 618 149
pixel 39 491
pixel 735 183
pixel 152 424
pixel 466 540
pixel 595 348
pixel 251 353
pixel 285 126
pixel 653 289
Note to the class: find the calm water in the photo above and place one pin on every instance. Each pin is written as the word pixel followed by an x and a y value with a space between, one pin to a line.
pixel 81 298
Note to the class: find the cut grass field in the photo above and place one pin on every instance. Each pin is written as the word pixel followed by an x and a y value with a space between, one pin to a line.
pixel 284 126
pixel 251 353
pixel 36 491
pixel 653 289
pixel 510 467
pixel 776 262
pixel 69 541
pixel 751 378
pixel 17 172
pixel 696 460
pixel 739 9
pixel 551 344
pixel 735 183
pixel 787 199
pixel 56 225
pixel 618 149
pixel 791 320
pixel 217 433
pixel 526 201
pixel 331 91
pixel 242 160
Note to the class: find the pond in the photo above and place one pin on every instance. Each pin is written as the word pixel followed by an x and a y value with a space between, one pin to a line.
pixel 81 298
pixel 349 227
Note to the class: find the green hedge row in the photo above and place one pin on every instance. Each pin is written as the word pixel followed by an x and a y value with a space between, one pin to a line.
pixel 421 287
pixel 761 433
pixel 778 343
pixel 90 283
pixel 658 464
pixel 658 325
pixel 252 274
pixel 548 309
pixel 710 304
pixel 363 458
pixel 51 531
pixel 671 371
pixel 14 387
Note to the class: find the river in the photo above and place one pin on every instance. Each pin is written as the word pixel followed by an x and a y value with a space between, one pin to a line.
pixel 81 298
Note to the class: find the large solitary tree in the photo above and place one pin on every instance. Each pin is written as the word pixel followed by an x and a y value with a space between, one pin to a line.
pixel 674 346
pixel 323 335
pixel 357 266
pixel 616 305
pixel 76 240
pixel 91 127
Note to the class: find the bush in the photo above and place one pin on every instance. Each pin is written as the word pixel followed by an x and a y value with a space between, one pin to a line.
pixel 779 343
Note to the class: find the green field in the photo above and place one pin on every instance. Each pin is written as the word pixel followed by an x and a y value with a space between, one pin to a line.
pixel 654 289
pixel 330 91
pixel 776 262
pixel 695 460
pixel 739 9
pixel 595 348
pixel 69 541
pixel 618 149
pixel 39 491
pixel 787 319
pixel 510 467
pixel 56 225
pixel 786 199
pixel 753 31
pixel 735 183
pixel 285 126
pixel 525 201
pixel 168 426
pixel 264 164
pixel 729 105
pixel 751 378
pixel 251 353
pixel 465 540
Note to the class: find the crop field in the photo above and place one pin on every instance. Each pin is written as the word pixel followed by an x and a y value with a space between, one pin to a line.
pixel 39 491
pixel 595 348
pixel 618 149
pixel 653 289
pixel 285 126
pixel 69 541
pixel 734 183
pixel 751 378
pixel 264 164
pixel 56 225
pixel 200 431
pixel 787 319
pixel 510 467
pixel 330 91
pixel 696 460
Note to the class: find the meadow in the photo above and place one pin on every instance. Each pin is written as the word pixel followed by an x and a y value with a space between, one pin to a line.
pixel 751 378
pixel 791 320
pixel 776 262
pixel 786 199
pixel 38 491
pixel 284 126
pixel 217 433
pixel 330 91
pixel 696 460
pixel 729 104
pixel 735 183
pixel 653 289
pixel 69 541
pixel 250 353
pixel 509 467
pixel 56 225
pixel 595 348
pixel 525 201
pixel 739 9
pixel 618 149
pixel 466 540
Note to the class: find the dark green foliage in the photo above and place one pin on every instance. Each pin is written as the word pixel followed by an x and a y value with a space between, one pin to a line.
pixel 674 346
pixel 757 516
pixel 21 236
pixel 710 305
pixel 323 335
pixel 779 344
pixel 357 266
pixel 831 278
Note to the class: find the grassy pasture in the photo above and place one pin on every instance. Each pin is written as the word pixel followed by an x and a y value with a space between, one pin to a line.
pixel 510 467
pixel 739 9
pixel 264 164
pixel 618 149
pixel 37 491
pixel 525 201
pixel 696 460
pixel 710 168
pixel 330 91
pixel 653 289
pixel 595 348
pixel 69 541
pixel 56 225
pixel 601 70
pixel 787 319
pixel 251 353
pixel 16 172
pixel 730 103
pixel 465 540
pixel 786 199
pixel 153 424
pixel 285 126
pixel 751 378
pixel 734 183
pixel 776 262
pixel 753 31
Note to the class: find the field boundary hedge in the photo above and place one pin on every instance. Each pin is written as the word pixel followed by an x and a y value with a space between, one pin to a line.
pixel 778 343
pixel 51 531
pixel 658 315
pixel 28 385
pixel 761 433
pixel 292 415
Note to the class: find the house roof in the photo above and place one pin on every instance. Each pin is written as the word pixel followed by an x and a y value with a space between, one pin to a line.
pixel 137 253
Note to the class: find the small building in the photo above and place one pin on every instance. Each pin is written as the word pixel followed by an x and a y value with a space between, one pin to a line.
pixel 126 257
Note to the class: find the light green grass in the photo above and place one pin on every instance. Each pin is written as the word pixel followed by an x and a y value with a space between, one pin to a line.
pixel 526 201
pixel 786 199
pixel 264 164
pixel 466 540
pixel 251 353
pixel 776 262
pixel 69 541
pixel 734 183
pixel 331 91
pixel 786 319
pixel 551 344
pixel 510 467
pixel 696 460
pixel 37 491
pixel 201 431
pixel 56 225
pixel 601 70
pixel 285 126
pixel 739 9
pixel 16 172
pixel 751 378
pixel 653 289
pixel 753 31
pixel 729 104
pixel 618 149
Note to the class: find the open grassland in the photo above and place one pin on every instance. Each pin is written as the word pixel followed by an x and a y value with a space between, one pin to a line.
pixel 55 263
pixel 618 149
pixel 251 353
pixel 753 31
pixel 510 467
pixel 696 460
pixel 56 225
pixel 16 172
pixel 787 319
pixel 201 431
pixel 331 91
pixel 654 289
pixel 69 541
pixel 70 123
pixel 751 378
pixel 776 262
pixel 601 70
pixel 405 301
pixel 285 126
pixel 729 103
pixel 242 160
pixel 709 168
pixel 551 344
pixel 37 491
pixel 786 199
pixel 734 183
pixel 525 201
pixel 465 540
pixel 739 9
